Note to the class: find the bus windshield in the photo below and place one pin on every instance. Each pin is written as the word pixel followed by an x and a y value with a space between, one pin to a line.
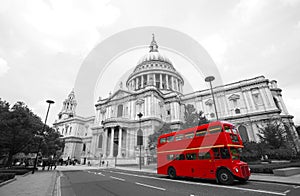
pixel 235 153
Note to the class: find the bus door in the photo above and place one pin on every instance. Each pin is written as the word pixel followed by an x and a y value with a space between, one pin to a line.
pixel 205 165
pixel 221 157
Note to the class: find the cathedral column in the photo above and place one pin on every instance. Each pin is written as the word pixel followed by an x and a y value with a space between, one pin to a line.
pixel 148 80
pixel 160 81
pixel 167 81
pixel 112 142
pixel 171 84
pixel 136 83
pixel 263 97
pixel 154 80
pixel 120 143
pixel 105 142
pixel 246 101
pixel 142 81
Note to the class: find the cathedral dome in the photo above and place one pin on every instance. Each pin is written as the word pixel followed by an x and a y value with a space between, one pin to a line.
pixel 155 69
pixel 154 56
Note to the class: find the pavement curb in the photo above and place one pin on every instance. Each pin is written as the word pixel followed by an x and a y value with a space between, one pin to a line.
pixel 277 182
pixel 7 181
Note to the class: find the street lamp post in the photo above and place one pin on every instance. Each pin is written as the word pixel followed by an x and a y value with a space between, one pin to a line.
pixel 210 79
pixel 40 143
pixel 140 139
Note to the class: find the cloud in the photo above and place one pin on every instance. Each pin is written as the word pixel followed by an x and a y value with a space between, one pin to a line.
pixel 270 50
pixel 247 10
pixel 3 66
pixel 216 45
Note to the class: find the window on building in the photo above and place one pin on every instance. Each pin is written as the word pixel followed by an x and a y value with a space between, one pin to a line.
pixel 120 111
pixel 256 96
pixel 100 141
pixel 168 112
pixel 243 133
pixel 212 115
pixel 237 111
pixel 70 131
pixel 84 148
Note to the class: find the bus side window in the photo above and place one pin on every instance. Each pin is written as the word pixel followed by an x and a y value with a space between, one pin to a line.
pixel 215 129
pixel 180 157
pixel 162 140
pixel 191 156
pixel 179 137
pixel 170 139
pixel 189 135
pixel 225 153
pixel 216 153
pixel 204 155
pixel 170 157
pixel 227 129
pixel 200 132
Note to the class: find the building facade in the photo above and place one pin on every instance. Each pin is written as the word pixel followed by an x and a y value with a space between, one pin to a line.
pixel 155 89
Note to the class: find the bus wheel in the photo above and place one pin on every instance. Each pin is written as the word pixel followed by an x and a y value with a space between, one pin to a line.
pixel 225 177
pixel 172 172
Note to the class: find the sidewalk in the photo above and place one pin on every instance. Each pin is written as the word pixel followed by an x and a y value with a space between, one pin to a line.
pixel 37 184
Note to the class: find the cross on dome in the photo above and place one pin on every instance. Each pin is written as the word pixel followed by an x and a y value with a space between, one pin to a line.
pixel 153 47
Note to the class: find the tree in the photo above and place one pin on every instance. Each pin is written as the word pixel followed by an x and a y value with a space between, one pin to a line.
pixel 152 139
pixel 18 125
pixel 272 134
pixel 192 117
pixel 19 128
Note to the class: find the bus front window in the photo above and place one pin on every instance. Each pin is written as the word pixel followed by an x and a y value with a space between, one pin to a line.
pixel 235 153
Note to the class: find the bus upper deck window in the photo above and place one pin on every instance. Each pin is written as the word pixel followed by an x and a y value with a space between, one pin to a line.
pixel 189 135
pixel 234 131
pixel 179 137
pixel 200 132
pixel 170 139
pixel 163 140
pixel 215 129
pixel 227 129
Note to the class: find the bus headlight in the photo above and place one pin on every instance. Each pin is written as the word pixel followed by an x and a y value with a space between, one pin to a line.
pixel 236 170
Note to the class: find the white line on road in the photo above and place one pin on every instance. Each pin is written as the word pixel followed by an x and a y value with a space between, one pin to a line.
pixel 101 174
pixel 154 187
pixel 287 191
pixel 117 178
pixel 206 184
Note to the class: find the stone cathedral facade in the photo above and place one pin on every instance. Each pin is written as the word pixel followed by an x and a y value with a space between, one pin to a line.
pixel 155 89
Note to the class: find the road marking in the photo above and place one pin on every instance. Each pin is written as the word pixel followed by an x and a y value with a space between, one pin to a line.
pixel 205 184
pixel 154 187
pixel 296 187
pixel 287 191
pixel 101 174
pixel 117 178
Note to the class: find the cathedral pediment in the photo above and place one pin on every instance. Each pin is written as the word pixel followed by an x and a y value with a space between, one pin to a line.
pixel 119 94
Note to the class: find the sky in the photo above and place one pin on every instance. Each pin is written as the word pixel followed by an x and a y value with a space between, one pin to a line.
pixel 43 43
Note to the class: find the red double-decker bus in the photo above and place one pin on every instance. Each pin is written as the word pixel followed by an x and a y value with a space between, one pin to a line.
pixel 210 151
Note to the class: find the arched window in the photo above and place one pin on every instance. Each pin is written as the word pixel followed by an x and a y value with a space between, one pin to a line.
pixel 237 111
pixel 70 131
pixel 100 141
pixel 120 111
pixel 62 131
pixel 243 133
pixel 83 148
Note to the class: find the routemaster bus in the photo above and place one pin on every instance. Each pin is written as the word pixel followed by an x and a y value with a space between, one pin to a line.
pixel 209 151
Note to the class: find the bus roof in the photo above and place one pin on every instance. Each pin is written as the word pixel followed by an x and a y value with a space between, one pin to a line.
pixel 203 126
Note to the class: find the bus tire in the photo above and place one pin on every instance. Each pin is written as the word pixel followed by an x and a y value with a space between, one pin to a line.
pixel 225 177
pixel 172 172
